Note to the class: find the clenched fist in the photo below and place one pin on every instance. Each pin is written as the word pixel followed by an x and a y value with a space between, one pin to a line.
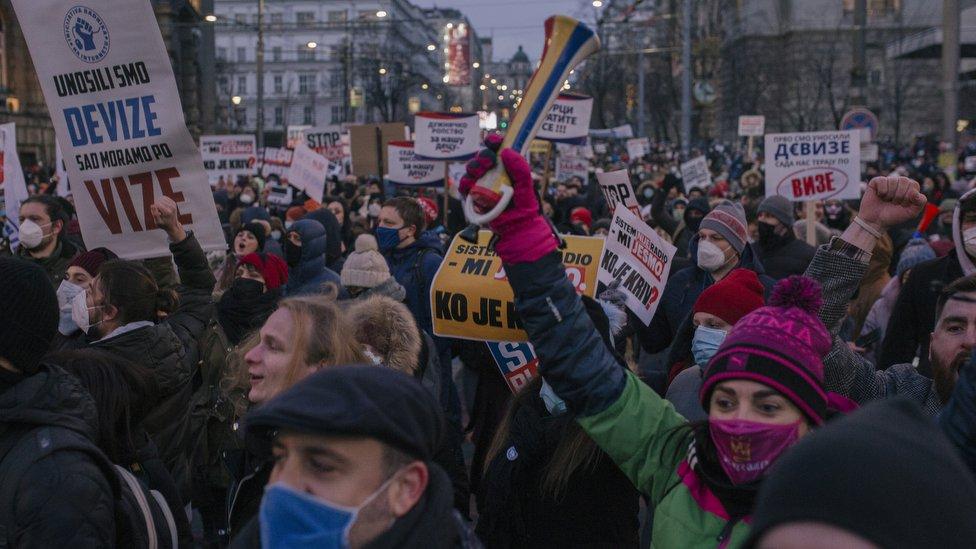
pixel 890 201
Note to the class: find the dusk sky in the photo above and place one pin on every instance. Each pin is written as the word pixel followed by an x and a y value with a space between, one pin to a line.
pixel 513 22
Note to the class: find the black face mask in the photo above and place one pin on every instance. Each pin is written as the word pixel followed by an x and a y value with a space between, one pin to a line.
pixel 293 253
pixel 767 234
pixel 693 222
pixel 246 288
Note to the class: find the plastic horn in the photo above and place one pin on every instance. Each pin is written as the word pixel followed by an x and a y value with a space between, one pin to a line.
pixel 568 42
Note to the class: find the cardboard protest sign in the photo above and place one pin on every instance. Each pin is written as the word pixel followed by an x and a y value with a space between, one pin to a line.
pixel 326 141
pixel 752 126
pixel 638 147
pixel 516 361
pixel 276 162
pixel 406 168
pixel 109 86
pixel 572 166
pixel 295 135
pixel 583 151
pixel 446 136
pixel 538 146
pixel 308 171
pixel 695 174
pixel 470 297
pixel 228 156
pixel 617 189
pixel 367 145
pixel 568 120
pixel 640 259
pixel 813 165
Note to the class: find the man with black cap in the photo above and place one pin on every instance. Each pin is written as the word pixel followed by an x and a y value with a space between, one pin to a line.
pixel 352 449
pixel 54 490
pixel 781 253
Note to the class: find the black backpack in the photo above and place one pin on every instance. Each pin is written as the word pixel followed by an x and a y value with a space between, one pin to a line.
pixel 142 516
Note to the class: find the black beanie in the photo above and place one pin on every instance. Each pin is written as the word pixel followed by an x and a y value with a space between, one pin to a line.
pixel 257 230
pixel 884 473
pixel 30 313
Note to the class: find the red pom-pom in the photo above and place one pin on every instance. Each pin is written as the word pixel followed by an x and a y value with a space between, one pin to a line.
pixel 797 291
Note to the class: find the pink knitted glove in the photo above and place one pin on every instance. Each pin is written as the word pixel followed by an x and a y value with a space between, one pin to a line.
pixel 524 235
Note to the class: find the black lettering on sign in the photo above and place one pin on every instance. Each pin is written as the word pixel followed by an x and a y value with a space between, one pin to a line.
pixel 511 317
pixel 450 306
pixel 474 266
pixel 489 314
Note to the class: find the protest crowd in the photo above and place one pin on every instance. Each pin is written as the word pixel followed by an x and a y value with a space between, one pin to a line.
pixel 636 346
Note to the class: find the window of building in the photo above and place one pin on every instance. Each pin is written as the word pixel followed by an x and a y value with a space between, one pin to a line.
pixel 337 16
pixel 874 77
pixel 224 85
pixel 240 18
pixel 279 116
pixel 277 19
pixel 242 117
pixel 305 53
pixel 221 54
pixel 305 19
pixel 241 55
pixel 335 80
pixel 876 8
pixel 276 53
pixel 279 83
pixel 336 114
pixel 308 116
pixel 306 84
pixel 241 85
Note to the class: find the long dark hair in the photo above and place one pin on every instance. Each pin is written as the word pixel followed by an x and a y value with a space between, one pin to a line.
pixel 576 451
pixel 130 287
pixel 124 394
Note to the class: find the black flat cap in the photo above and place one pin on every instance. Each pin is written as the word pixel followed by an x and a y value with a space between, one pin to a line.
pixel 360 401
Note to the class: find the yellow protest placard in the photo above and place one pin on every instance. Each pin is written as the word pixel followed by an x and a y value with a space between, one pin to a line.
pixel 470 297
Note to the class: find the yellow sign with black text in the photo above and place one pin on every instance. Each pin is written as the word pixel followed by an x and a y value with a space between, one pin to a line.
pixel 470 297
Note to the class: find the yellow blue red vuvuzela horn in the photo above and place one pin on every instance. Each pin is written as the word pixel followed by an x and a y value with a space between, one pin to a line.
pixel 568 42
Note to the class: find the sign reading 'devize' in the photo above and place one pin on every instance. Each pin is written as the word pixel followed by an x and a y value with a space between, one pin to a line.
pixel 446 136
pixel 308 171
pixel 568 120
pixel 228 156
pixel 814 165
pixel 110 89
pixel 408 169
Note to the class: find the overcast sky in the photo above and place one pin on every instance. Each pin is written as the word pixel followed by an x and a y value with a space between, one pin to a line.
pixel 513 22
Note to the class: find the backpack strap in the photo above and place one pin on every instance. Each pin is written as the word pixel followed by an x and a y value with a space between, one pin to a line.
pixel 136 488
pixel 168 515
pixel 418 276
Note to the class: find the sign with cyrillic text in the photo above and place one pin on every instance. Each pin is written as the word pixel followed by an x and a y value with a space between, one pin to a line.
pixel 446 136
pixel 572 166
pixel 617 189
pixel 228 157
pixel 752 126
pixel 277 160
pixel 406 168
pixel 640 259
pixel 109 86
pixel 568 120
pixel 813 165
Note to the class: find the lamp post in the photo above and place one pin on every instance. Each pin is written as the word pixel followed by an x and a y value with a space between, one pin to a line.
pixel 259 127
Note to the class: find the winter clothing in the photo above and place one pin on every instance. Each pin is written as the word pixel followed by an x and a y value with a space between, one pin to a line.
pixel 581 215
pixel 311 274
pixel 780 346
pixel 778 207
pixel 683 393
pixel 170 350
pixel 256 230
pixel 365 267
pixel 91 261
pixel 56 264
pixel 333 237
pixel 916 252
pixel 733 297
pixel 873 283
pixel 785 255
pixel 879 316
pixel 65 498
pixel 958 418
pixel 681 230
pixel 838 267
pixel 30 313
pixel 254 213
pixel 295 213
pixel 414 268
pixel 822 233
pixel 273 269
pixel 884 474
pixel 729 220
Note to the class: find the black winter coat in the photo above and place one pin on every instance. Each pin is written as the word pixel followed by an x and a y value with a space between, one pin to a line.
pixel 170 350
pixel 64 499
pixel 913 316
pixel 789 256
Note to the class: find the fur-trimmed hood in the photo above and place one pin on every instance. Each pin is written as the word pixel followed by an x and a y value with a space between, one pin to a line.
pixel 389 331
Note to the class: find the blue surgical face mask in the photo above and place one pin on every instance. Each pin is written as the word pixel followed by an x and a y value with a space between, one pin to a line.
pixel 705 344
pixel 554 404
pixel 387 238
pixel 295 520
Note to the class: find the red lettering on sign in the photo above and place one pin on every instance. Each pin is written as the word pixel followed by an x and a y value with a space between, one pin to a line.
pixel 108 208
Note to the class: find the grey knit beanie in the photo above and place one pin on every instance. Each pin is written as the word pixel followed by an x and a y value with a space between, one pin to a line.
pixel 779 207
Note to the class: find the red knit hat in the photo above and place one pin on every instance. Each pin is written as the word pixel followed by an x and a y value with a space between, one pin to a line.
pixel 295 213
pixel 430 209
pixel 581 215
pixel 273 269
pixel 733 297
pixel 91 261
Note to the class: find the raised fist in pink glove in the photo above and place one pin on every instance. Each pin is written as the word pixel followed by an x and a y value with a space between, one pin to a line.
pixel 524 235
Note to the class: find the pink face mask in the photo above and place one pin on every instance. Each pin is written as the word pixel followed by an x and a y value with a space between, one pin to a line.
pixel 747 448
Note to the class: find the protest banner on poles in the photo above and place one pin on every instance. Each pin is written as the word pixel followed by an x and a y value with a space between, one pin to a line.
pixel 568 120
pixel 572 166
pixel 695 174
pixel 446 136
pixel 406 168
pixel 516 361
pixel 308 171
pixel 617 189
pixel 109 86
pixel 814 165
pixel 276 162
pixel 327 141
pixel 228 156
pixel 470 297
pixel 640 259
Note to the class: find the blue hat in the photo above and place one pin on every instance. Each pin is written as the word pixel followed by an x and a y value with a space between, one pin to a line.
pixel 916 251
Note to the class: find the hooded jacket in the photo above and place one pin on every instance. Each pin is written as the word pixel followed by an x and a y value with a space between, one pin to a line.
pixel 424 255
pixel 311 274
pixel 913 316
pixel 170 350
pixel 958 418
pixel 787 256
pixel 333 237
pixel 677 228
pixel 680 294
pixel 64 499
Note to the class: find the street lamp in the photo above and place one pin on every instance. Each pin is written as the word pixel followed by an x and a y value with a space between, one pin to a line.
pixel 382 70
pixel 424 86
pixel 476 64
pixel 311 45
pixel 236 100
pixel 431 47
pixel 381 13
pixel 210 18
pixel 597 3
